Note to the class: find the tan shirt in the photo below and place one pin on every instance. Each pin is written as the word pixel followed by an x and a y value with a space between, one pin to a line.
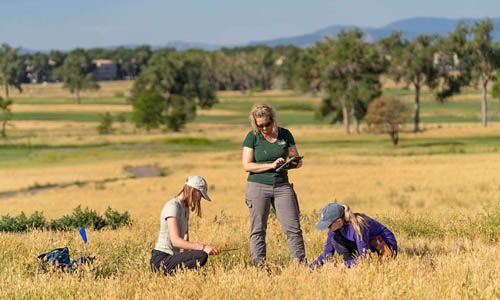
pixel 172 208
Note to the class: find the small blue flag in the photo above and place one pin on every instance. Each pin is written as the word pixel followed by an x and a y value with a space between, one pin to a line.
pixel 83 234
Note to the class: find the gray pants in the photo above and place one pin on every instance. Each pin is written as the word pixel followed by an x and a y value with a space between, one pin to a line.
pixel 259 198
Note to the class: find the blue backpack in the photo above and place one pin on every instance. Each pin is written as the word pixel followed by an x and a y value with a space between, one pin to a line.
pixel 58 258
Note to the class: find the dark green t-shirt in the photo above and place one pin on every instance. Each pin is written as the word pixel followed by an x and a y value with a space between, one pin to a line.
pixel 266 152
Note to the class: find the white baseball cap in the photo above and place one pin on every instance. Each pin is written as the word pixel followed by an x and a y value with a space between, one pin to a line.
pixel 199 183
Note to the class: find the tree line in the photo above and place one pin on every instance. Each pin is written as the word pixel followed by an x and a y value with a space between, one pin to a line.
pixel 345 70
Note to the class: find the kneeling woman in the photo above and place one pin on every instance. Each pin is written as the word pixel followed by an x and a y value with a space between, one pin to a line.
pixel 352 235
pixel 173 237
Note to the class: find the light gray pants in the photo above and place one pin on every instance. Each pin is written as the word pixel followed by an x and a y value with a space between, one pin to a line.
pixel 259 198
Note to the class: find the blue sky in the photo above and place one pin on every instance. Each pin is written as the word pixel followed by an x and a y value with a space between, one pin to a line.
pixel 67 24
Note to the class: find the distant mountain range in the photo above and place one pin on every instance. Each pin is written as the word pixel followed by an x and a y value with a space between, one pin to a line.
pixel 411 28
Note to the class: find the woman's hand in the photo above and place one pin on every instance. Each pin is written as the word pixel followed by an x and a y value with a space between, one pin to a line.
pixel 293 152
pixel 335 265
pixel 210 250
pixel 296 164
pixel 278 162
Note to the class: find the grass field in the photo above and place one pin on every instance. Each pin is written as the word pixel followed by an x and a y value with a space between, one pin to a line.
pixel 439 191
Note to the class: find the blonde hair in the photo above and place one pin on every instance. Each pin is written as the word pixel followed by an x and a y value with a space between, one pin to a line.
pixel 358 220
pixel 187 199
pixel 262 110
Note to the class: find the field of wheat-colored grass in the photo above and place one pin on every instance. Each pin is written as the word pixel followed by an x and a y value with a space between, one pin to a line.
pixel 439 191
pixel 56 92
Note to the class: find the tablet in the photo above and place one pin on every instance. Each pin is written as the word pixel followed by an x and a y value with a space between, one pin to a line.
pixel 287 165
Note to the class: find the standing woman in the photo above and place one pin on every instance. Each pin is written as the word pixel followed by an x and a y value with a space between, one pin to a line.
pixel 174 235
pixel 352 235
pixel 265 148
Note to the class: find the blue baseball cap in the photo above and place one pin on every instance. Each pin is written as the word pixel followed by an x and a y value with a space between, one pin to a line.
pixel 329 213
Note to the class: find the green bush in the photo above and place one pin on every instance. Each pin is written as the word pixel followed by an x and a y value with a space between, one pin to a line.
pixel 106 124
pixel 79 218
pixel 88 218
pixel 9 223
pixel 37 220
pixel 115 219
pixel 21 223
pixel 121 118
pixel 63 223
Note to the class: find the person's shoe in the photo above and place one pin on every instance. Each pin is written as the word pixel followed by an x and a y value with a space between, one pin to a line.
pixel 259 262
pixel 300 261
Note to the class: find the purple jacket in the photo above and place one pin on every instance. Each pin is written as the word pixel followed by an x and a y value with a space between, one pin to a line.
pixel 374 229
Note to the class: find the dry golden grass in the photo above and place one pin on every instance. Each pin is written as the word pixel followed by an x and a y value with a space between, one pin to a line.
pixel 99 108
pixel 450 190
pixel 256 94
pixel 55 90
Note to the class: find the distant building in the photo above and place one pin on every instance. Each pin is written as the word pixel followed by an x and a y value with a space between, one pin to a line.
pixel 52 66
pixel 280 60
pixel 105 69
pixel 446 62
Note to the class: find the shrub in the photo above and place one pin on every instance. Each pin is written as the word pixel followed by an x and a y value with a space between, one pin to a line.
pixel 88 218
pixel 37 220
pixel 63 223
pixel 8 224
pixel 79 218
pixel 106 124
pixel 122 118
pixel 115 219
pixel 387 115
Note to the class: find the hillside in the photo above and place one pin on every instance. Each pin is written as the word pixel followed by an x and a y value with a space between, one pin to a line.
pixel 410 28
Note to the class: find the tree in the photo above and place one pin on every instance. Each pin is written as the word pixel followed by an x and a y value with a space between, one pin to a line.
pixel 413 63
pixel 130 61
pixel 10 68
pixel 56 58
pixel 148 109
pixel 453 62
pixel 6 114
pixel 486 60
pixel 387 115
pixel 179 110
pixel 309 68
pixel 76 73
pixel 142 54
pixel 495 89
pixel 37 67
pixel 286 63
pixel 184 82
pixel 351 77
pixel 478 60
pixel 245 68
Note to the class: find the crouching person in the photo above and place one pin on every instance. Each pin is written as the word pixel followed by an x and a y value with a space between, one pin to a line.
pixel 352 235
pixel 167 256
